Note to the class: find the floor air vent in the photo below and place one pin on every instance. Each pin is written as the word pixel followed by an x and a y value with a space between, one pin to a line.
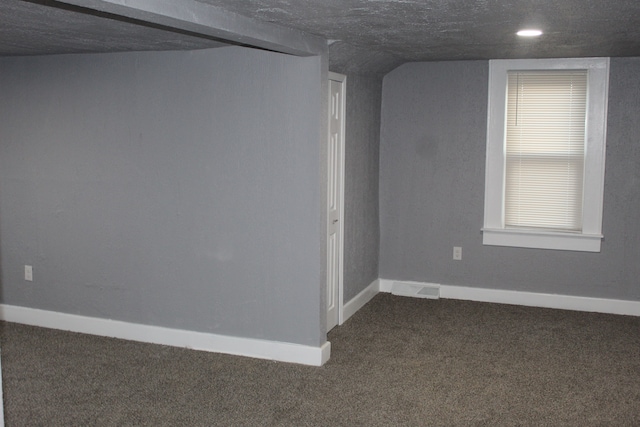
pixel 416 290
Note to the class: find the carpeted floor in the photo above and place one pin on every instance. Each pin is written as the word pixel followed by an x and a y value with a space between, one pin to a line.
pixel 397 362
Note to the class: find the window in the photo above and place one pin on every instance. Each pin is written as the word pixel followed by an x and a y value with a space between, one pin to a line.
pixel 544 149
pixel 545 153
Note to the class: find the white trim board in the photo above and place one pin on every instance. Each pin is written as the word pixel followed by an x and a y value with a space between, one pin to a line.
pixel 359 301
pixel 249 347
pixel 531 299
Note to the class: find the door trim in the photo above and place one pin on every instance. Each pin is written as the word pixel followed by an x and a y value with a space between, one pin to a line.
pixel 342 79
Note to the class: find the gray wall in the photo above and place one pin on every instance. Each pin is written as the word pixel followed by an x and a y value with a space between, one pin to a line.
pixel 179 189
pixel 432 160
pixel 362 238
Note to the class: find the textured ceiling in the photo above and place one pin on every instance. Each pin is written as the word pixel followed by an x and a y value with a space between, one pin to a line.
pixel 372 34
pixel 419 30
pixel 28 28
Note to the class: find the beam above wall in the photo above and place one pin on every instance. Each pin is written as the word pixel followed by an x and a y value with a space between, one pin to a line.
pixel 212 22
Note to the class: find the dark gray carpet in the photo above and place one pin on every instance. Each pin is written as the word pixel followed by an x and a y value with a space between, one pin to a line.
pixel 397 362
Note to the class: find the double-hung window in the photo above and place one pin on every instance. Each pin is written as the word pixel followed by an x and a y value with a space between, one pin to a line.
pixel 546 153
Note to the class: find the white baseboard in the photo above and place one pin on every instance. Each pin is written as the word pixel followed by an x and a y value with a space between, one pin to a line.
pixel 532 299
pixel 357 302
pixel 256 348
pixel 385 285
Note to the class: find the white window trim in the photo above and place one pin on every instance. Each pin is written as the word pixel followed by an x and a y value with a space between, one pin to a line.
pixel 494 232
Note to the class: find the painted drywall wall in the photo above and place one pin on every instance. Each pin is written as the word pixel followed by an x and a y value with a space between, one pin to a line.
pixel 432 161
pixel 178 189
pixel 362 238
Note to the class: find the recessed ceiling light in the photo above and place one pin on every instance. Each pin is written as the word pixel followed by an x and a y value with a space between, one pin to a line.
pixel 529 33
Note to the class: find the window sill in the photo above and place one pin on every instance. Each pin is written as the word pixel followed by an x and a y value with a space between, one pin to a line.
pixel 542 239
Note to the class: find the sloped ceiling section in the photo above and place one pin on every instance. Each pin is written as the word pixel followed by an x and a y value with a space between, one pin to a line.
pixel 208 20
pixel 38 29
pixel 29 27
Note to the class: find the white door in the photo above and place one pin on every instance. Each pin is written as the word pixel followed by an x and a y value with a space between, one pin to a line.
pixel 335 196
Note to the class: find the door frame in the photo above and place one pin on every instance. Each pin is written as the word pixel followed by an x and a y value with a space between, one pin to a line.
pixel 342 79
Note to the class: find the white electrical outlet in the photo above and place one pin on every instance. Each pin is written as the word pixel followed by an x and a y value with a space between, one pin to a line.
pixel 457 253
pixel 28 273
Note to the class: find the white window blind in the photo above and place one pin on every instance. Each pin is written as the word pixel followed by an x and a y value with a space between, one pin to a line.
pixel 545 149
